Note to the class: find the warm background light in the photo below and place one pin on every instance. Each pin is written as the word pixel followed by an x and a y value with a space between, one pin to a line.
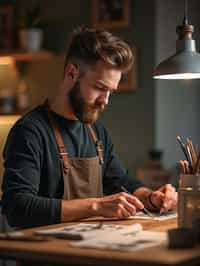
pixel 6 122
pixel 8 119
pixel 6 60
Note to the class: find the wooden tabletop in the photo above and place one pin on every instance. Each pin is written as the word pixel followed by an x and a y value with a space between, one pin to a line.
pixel 59 250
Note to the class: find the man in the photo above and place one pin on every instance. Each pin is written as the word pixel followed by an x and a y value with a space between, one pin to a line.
pixel 59 161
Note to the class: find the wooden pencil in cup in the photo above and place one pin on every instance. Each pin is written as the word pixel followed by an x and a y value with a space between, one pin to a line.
pixel 185 151
pixel 182 167
pixel 190 162
pixel 192 151
pixel 197 166
pixel 183 148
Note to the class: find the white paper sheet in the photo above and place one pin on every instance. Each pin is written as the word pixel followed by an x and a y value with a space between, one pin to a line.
pixel 89 230
pixel 123 241
pixel 109 236
pixel 155 217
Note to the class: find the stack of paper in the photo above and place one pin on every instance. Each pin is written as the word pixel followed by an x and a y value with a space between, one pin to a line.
pixel 108 236
pixel 88 230
pixel 124 240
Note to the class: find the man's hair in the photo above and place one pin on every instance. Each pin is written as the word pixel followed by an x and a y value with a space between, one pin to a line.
pixel 87 46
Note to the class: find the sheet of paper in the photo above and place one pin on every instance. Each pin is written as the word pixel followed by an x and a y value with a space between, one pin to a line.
pixel 156 217
pixel 124 241
pixel 108 236
pixel 89 230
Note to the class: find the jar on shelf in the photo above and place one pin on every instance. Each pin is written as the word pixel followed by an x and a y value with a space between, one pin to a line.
pixel 22 97
pixel 7 101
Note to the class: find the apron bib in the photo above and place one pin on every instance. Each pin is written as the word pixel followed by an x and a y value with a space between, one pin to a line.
pixel 82 176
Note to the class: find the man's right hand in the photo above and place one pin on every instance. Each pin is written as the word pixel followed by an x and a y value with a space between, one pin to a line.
pixel 120 205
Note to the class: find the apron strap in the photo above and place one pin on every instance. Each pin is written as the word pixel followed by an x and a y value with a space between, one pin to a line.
pixel 61 146
pixel 97 142
pixel 62 150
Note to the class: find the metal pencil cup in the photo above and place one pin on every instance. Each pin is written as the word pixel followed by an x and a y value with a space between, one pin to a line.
pixel 188 200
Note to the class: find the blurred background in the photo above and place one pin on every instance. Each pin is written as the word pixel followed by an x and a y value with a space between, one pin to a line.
pixel 147 114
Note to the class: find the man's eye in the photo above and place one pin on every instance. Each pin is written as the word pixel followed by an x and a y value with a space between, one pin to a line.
pixel 98 88
pixel 112 92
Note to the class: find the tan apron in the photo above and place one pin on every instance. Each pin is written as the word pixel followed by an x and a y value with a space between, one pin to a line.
pixel 82 176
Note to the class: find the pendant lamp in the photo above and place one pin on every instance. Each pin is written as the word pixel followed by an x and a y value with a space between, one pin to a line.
pixel 185 63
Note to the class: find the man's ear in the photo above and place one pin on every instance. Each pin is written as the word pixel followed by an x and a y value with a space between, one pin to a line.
pixel 71 75
pixel 71 71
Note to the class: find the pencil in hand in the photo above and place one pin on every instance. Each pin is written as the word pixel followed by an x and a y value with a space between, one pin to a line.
pixel 144 210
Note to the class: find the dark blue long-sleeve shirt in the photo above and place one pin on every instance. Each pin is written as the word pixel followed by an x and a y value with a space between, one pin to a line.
pixel 33 181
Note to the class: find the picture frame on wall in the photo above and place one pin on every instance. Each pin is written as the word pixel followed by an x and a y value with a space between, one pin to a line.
pixel 6 27
pixel 129 80
pixel 110 14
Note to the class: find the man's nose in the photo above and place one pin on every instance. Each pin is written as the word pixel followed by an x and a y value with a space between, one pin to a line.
pixel 104 98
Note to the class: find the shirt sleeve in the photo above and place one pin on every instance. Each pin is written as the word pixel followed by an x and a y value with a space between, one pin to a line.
pixel 21 202
pixel 115 174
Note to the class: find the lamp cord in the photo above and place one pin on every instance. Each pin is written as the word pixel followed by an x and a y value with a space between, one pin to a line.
pixel 185 19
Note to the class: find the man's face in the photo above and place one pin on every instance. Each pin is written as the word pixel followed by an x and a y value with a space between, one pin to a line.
pixel 91 92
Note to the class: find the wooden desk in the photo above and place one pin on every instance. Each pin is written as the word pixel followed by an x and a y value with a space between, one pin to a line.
pixel 58 251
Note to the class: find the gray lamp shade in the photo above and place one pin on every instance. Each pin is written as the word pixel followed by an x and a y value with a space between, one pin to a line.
pixel 182 65
pixel 185 63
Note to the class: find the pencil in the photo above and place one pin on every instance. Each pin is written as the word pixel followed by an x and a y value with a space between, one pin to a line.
pixel 192 151
pixel 190 158
pixel 183 147
pixel 197 165
pixel 144 210
pixel 185 151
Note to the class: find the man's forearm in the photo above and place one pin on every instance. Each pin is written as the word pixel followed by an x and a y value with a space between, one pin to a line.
pixel 77 209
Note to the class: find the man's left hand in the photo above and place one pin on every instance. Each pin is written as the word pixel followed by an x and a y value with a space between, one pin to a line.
pixel 165 198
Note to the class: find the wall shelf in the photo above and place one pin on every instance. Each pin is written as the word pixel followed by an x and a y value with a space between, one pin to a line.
pixel 8 119
pixel 24 56
pixel 19 59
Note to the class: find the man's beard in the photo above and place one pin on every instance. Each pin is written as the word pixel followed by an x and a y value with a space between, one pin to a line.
pixel 85 112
